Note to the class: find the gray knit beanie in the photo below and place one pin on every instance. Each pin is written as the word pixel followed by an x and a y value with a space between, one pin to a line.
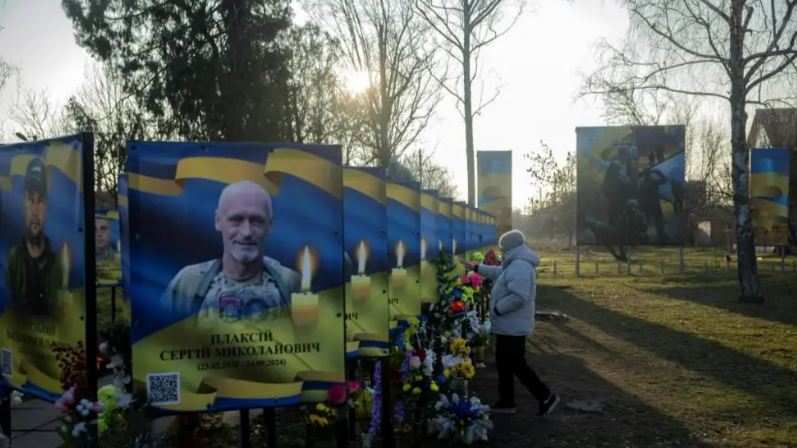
pixel 511 240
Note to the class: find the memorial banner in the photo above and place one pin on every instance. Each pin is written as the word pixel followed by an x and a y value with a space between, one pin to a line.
pixel 458 228
pixel 769 195
pixel 124 236
pixel 494 170
pixel 404 248
pixel 367 270
pixel 430 246
pixel 47 282
pixel 237 277
pixel 107 247
pixel 631 186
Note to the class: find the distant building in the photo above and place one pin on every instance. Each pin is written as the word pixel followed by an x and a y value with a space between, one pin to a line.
pixel 714 228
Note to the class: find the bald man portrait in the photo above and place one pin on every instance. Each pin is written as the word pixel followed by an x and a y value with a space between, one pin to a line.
pixel 243 283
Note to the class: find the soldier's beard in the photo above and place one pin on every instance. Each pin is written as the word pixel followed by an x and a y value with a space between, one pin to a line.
pixel 34 238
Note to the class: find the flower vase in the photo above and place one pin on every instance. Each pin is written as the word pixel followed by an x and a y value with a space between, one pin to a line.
pixel 478 357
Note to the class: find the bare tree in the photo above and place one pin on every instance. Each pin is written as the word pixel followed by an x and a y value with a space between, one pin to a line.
pixel 431 174
pixel 465 28
pixel 388 41
pixel 34 115
pixel 101 105
pixel 733 50
pixel 556 183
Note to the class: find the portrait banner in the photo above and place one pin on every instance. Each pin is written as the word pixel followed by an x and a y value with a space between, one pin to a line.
pixel 631 186
pixel 124 237
pixel 494 174
pixel 236 274
pixel 107 247
pixel 458 228
pixel 404 248
pixel 769 195
pixel 430 246
pixel 480 224
pixel 367 270
pixel 48 286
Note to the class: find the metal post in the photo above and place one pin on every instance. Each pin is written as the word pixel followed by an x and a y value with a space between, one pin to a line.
pixel 782 259
pixel 640 266
pixel 554 268
pixel 662 266
pixel 246 439
pixel 578 261
pixel 5 412
pixel 705 267
pixel 681 260
pixel 597 270
pixel 619 267
pixel 727 265
pixel 270 418
pixel 388 438
pixel 113 304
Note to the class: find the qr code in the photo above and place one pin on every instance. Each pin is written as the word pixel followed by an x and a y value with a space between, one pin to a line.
pixel 163 388
pixel 6 362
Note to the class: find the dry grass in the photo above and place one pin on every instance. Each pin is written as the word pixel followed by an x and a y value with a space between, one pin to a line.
pixel 675 359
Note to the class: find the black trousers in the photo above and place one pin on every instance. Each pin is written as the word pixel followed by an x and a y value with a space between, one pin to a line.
pixel 510 360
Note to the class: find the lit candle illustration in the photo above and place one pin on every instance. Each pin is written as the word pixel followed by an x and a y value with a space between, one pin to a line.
pixel 361 283
pixel 423 249
pixel 454 246
pixel 399 274
pixel 304 305
pixel 440 245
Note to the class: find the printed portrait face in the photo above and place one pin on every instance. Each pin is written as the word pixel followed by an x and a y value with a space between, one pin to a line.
pixel 35 209
pixel 244 220
pixel 102 234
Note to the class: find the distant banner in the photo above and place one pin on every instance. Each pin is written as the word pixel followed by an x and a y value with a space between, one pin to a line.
pixel 367 270
pixel 107 247
pixel 430 246
pixel 237 282
pixel 43 246
pixel 458 227
pixel 494 170
pixel 404 248
pixel 631 186
pixel 769 195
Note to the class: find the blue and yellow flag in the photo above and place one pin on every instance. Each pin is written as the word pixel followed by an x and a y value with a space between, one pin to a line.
pixel 430 246
pixel 404 248
pixel 769 195
pixel 367 270
pixel 494 170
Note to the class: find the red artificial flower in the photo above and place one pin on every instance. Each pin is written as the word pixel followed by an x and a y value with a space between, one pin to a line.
pixel 337 394
pixel 457 307
pixel 421 354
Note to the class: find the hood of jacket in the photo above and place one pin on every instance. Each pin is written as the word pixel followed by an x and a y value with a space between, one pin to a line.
pixel 522 252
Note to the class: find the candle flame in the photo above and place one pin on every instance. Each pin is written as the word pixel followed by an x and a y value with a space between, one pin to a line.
pixel 400 254
pixel 361 257
pixel 424 245
pixel 454 246
pixel 306 269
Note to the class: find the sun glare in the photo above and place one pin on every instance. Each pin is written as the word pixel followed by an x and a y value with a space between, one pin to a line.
pixel 357 82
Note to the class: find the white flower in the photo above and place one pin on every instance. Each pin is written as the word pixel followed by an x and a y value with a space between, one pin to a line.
pixel 124 400
pixel 78 429
pixel 79 408
pixel 104 347
pixel 85 413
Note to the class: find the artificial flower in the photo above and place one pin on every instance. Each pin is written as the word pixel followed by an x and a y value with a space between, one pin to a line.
pixel 337 394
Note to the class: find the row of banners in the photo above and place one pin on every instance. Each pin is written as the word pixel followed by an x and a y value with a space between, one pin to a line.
pixel 279 263
pixel 632 188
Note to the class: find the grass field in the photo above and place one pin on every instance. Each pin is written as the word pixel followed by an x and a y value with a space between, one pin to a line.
pixel 675 360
